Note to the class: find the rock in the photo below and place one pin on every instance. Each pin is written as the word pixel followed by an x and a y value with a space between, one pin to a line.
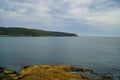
pixel 8 75
pixel 46 72
pixel 5 77
pixel 8 71
pixel 25 67
pixel 1 70
pixel 106 78
pixel 13 76
pixel 81 70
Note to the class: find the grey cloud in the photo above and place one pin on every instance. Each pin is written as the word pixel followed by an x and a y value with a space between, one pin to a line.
pixel 63 13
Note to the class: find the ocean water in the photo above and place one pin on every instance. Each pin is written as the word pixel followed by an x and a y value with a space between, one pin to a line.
pixel 101 54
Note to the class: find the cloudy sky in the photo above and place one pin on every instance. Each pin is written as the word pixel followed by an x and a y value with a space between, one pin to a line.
pixel 83 17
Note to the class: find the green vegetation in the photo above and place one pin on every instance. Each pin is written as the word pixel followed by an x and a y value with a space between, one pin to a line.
pixel 4 31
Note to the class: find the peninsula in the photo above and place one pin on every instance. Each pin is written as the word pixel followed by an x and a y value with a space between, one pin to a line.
pixel 16 31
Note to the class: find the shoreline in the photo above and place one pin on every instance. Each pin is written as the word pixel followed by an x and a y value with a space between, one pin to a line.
pixel 48 72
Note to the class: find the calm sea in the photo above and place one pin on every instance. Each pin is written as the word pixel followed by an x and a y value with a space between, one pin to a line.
pixel 102 54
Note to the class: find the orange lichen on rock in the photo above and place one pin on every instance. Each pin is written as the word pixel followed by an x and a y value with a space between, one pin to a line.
pixel 46 72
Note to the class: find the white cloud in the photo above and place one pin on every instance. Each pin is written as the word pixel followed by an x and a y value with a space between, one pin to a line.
pixel 103 14
pixel 107 20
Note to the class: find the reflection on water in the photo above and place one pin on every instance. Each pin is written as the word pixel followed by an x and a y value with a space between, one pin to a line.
pixel 101 54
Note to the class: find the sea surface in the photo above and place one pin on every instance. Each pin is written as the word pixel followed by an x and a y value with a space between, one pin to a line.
pixel 101 54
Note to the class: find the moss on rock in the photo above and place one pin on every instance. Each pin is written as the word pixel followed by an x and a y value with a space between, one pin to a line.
pixel 46 72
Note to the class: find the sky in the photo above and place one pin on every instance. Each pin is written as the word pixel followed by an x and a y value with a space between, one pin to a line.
pixel 83 17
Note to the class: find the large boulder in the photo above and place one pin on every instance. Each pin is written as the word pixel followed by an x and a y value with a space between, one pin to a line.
pixel 46 72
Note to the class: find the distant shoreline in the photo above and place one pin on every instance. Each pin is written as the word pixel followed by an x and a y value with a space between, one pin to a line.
pixel 16 31
pixel 35 36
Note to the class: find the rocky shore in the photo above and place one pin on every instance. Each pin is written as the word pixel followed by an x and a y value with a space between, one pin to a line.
pixel 47 72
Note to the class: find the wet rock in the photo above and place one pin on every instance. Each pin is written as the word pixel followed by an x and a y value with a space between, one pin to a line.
pixel 1 70
pixel 12 74
pixel 90 74
pixel 81 70
pixel 8 74
pixel 106 78
pixel 5 77
pixel 25 67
